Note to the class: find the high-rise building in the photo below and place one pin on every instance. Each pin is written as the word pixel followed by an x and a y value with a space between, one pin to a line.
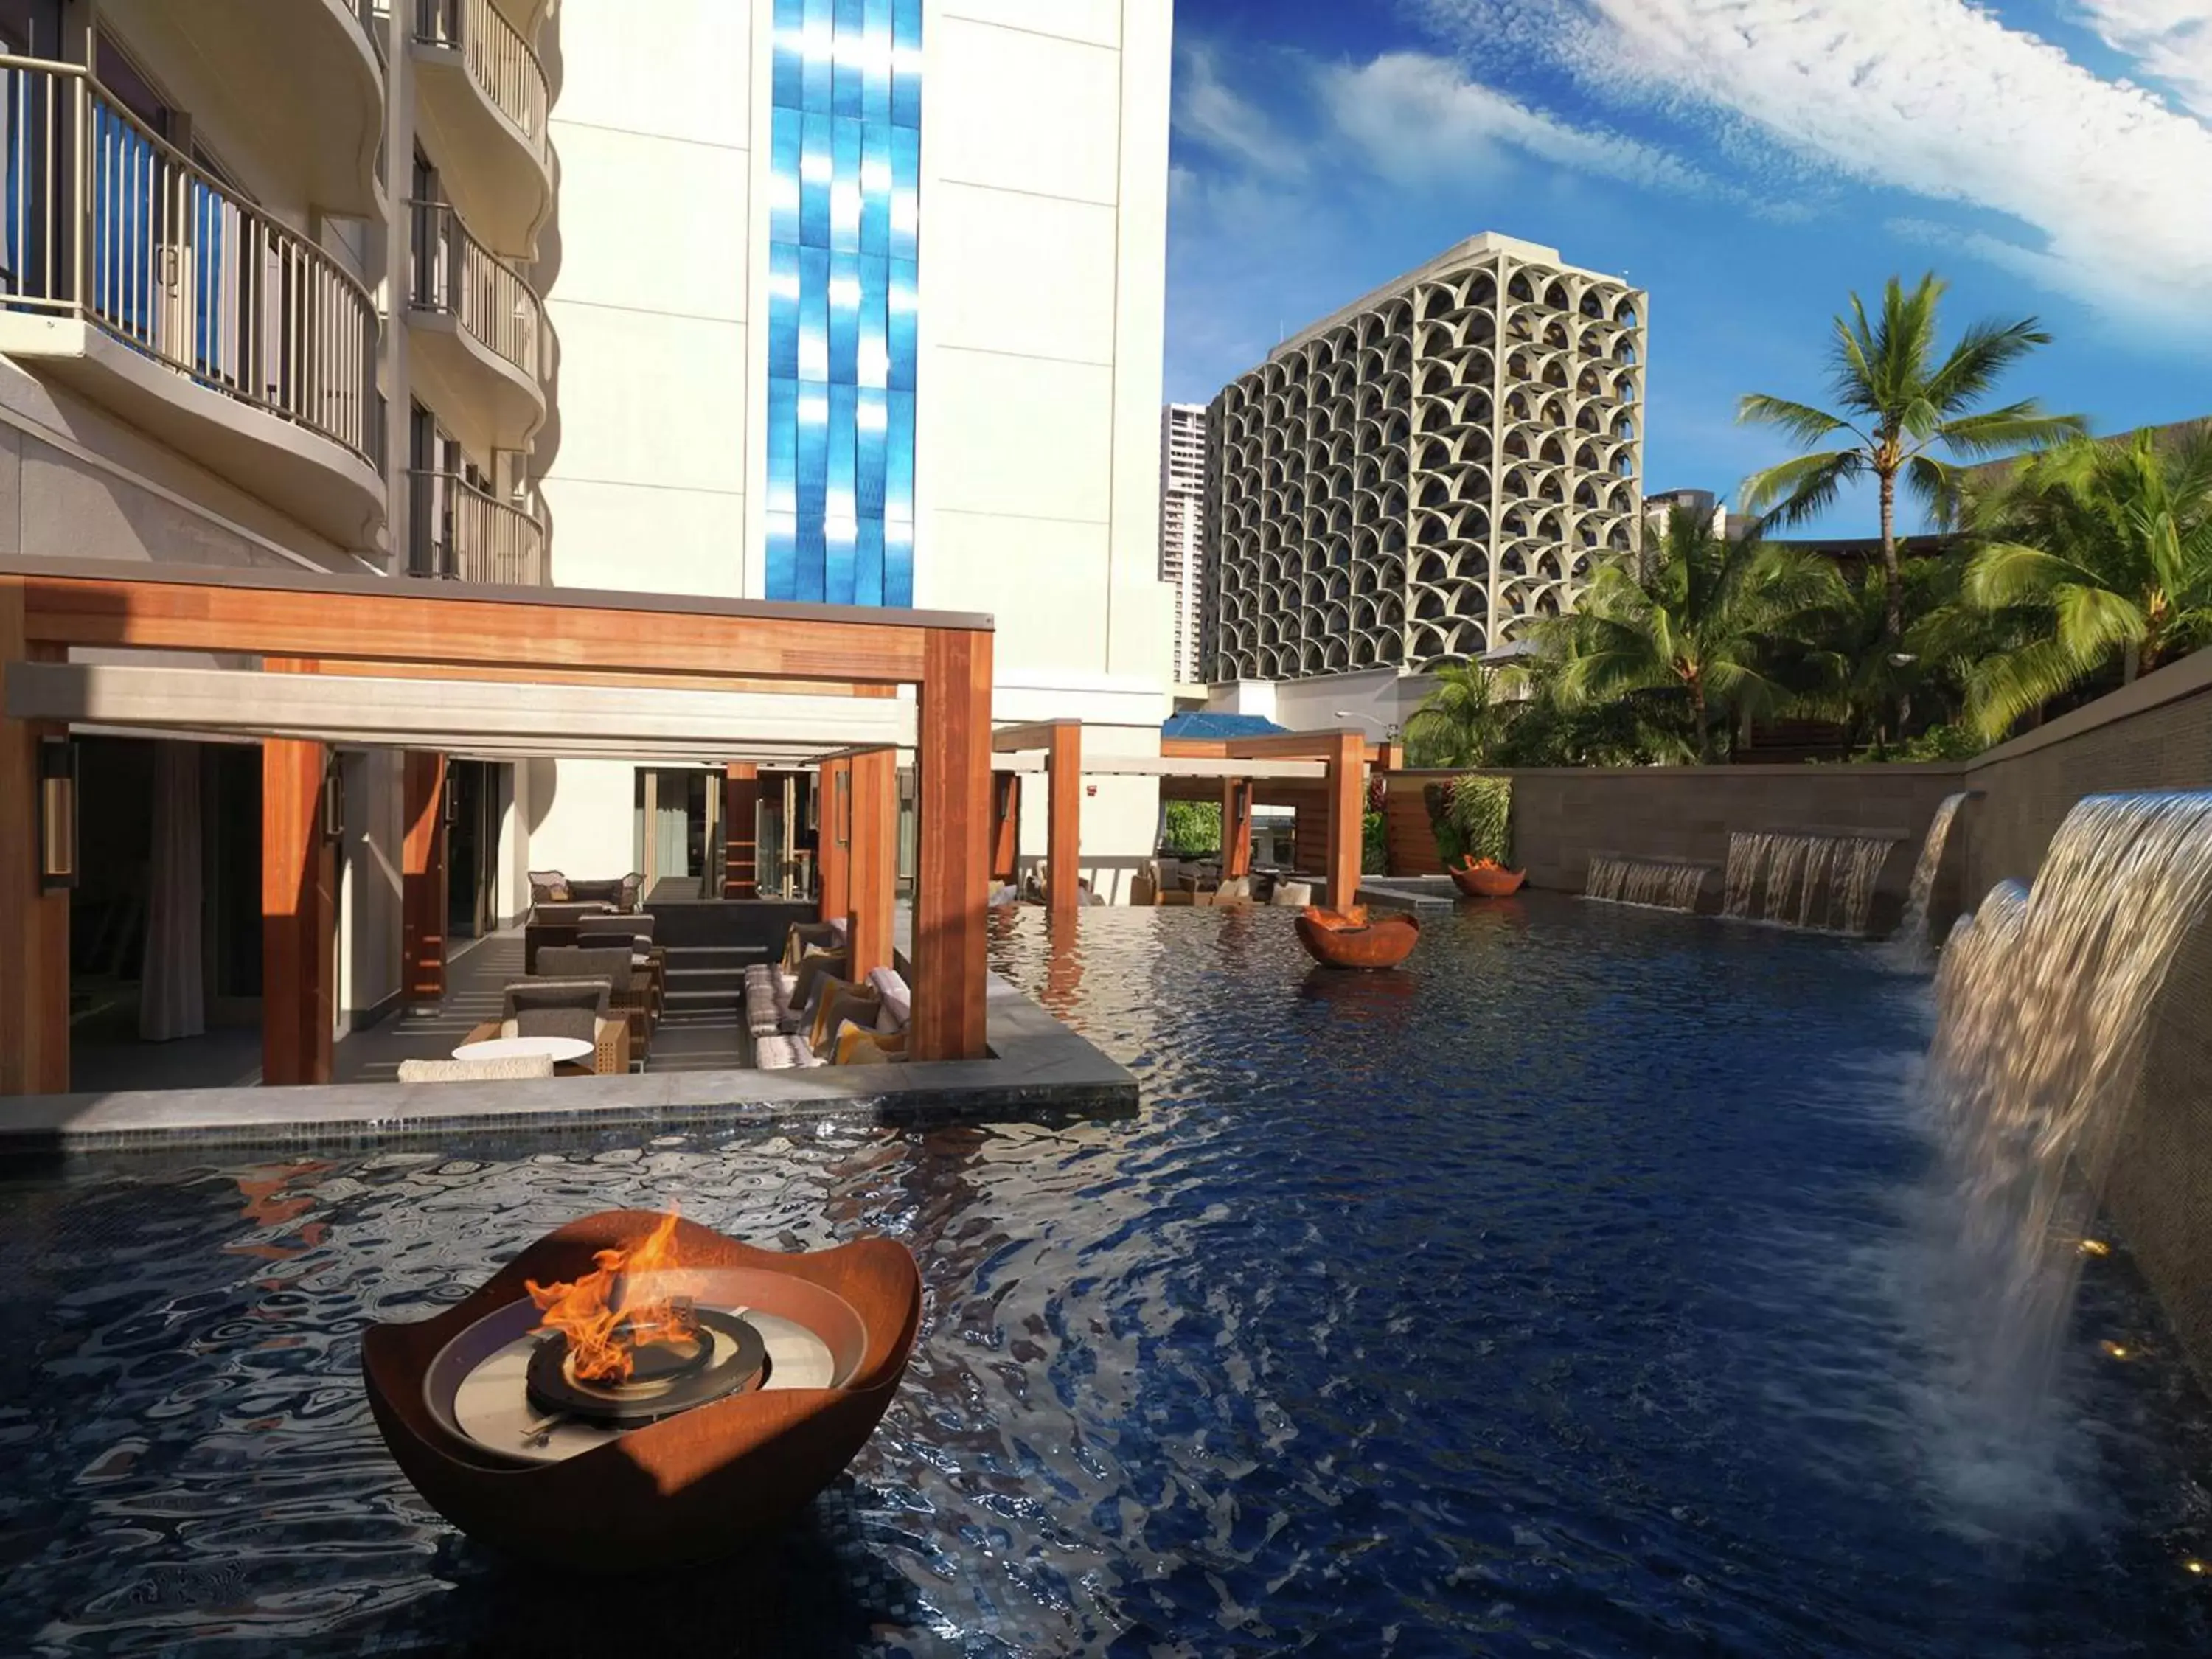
pixel 1406 483
pixel 1182 526
pixel 850 301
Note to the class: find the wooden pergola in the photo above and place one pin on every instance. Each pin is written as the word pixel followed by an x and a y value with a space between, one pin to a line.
pixel 1332 762
pixel 619 675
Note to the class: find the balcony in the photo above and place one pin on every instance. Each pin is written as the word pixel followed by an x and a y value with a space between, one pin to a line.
pixel 299 84
pixel 477 333
pixel 140 281
pixel 463 533
pixel 482 98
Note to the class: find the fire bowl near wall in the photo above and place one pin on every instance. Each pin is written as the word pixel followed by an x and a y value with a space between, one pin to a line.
pixel 1485 881
pixel 1348 938
pixel 775 1371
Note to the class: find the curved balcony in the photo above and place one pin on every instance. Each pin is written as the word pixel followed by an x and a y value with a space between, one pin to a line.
pixel 300 79
pixel 463 533
pixel 129 274
pixel 478 333
pixel 481 96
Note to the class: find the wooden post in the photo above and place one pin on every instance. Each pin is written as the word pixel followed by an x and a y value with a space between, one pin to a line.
pixel 299 874
pixel 1347 802
pixel 422 879
pixel 951 901
pixel 1064 836
pixel 873 875
pixel 833 840
pixel 1006 827
pixel 1236 828
pixel 740 832
pixel 34 942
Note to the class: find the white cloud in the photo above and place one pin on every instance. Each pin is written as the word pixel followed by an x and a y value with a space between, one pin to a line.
pixel 1418 119
pixel 2170 42
pixel 1209 110
pixel 1937 97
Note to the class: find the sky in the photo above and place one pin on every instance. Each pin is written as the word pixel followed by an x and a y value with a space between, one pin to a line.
pixel 1750 163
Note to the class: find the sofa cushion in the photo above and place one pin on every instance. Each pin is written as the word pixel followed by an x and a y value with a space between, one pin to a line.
pixel 510 1068
pixel 898 1000
pixel 861 1045
pixel 840 1000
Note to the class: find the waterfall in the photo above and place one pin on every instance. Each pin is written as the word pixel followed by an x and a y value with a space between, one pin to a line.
pixel 2043 1021
pixel 1803 880
pixel 1913 948
pixel 1658 883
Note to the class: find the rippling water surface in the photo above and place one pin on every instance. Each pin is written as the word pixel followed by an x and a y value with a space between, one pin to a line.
pixel 1559 1295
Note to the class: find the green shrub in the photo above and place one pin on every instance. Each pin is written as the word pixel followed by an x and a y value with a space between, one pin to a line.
pixel 1373 846
pixel 1193 830
pixel 1472 816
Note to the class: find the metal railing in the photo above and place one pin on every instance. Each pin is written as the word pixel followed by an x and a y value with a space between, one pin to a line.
pixel 500 61
pixel 459 276
pixel 103 220
pixel 464 533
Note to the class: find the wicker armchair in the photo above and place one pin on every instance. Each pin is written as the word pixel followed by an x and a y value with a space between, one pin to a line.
pixel 621 892
pixel 554 924
pixel 564 1007
pixel 631 994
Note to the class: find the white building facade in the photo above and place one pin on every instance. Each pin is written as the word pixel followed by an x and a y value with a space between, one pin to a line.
pixel 912 356
pixel 1182 527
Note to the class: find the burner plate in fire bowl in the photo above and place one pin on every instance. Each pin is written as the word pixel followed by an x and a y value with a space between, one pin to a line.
pixel 452 1397
pixel 498 1368
pixel 725 1355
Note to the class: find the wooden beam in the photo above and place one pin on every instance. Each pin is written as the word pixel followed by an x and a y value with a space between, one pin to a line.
pixel 741 832
pixel 411 622
pixel 1194 748
pixel 1347 804
pixel 951 903
pixel 1030 734
pixel 873 874
pixel 298 913
pixel 422 879
pixel 1064 821
pixel 34 941
pixel 833 851
pixel 1289 745
pixel 1006 827
pixel 1235 829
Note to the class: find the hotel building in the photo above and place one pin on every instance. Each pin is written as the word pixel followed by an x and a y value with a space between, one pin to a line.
pixel 849 301
pixel 1182 527
pixel 1406 483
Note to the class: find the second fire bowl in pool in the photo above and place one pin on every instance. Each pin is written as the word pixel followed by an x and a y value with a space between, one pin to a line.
pixel 1348 938
pixel 766 1376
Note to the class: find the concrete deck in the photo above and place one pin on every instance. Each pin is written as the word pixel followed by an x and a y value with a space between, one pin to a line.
pixel 1039 1069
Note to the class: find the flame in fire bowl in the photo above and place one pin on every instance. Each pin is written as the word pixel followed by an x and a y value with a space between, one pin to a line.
pixel 793 1358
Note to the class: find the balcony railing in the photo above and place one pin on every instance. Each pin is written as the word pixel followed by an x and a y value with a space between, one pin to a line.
pixel 500 61
pixel 108 223
pixel 466 534
pixel 459 276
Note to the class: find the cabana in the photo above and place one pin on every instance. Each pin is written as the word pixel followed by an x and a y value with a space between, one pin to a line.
pixel 1330 765
pixel 443 669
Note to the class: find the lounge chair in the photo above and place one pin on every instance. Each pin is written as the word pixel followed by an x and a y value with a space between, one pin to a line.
pixel 633 932
pixel 564 1007
pixel 621 892
pixel 630 992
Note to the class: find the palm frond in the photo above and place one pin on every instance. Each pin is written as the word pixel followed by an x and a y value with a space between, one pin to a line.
pixel 1984 351
pixel 2007 573
pixel 1802 423
pixel 1797 490
pixel 2022 425
pixel 2009 684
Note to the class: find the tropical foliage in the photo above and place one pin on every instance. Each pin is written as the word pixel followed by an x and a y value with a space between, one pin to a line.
pixel 2078 567
pixel 1192 829
pixel 2107 547
pixel 1462 722
pixel 1898 406
pixel 1472 816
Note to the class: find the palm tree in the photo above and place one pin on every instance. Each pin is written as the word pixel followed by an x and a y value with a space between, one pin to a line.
pixel 2110 544
pixel 1899 403
pixel 1461 722
pixel 1706 619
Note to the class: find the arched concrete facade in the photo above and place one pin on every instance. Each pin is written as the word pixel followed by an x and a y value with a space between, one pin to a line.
pixel 1408 482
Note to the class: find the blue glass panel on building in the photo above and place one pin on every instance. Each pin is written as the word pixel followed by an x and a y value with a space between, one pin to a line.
pixel 844 235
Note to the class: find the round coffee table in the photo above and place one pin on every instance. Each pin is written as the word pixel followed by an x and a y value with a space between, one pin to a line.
pixel 558 1050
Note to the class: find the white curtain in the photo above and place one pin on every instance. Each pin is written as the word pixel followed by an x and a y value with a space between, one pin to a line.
pixel 172 1002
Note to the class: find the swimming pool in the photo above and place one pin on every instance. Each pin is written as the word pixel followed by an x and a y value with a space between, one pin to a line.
pixel 1564 1293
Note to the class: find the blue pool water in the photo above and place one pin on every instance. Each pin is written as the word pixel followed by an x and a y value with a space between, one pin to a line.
pixel 1564 1294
